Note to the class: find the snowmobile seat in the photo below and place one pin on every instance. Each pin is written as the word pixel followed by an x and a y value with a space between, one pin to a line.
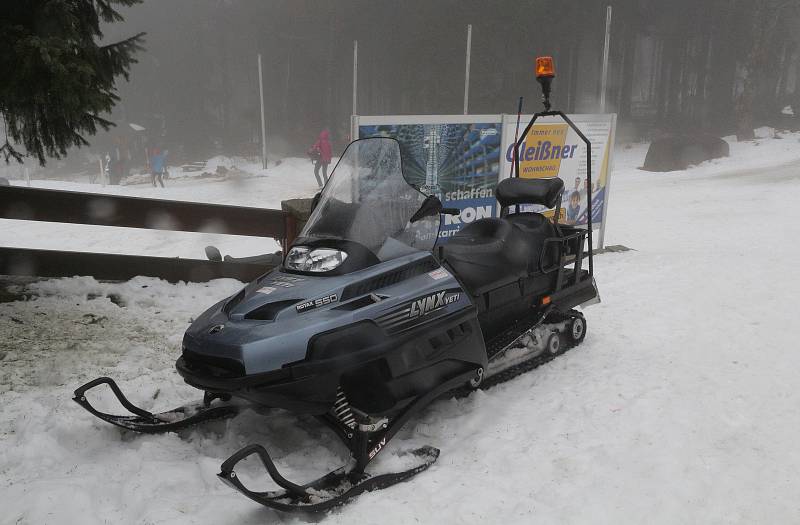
pixel 545 192
pixel 488 253
pixel 537 227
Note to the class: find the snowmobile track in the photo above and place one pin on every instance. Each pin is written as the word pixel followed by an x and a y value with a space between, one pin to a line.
pixel 502 341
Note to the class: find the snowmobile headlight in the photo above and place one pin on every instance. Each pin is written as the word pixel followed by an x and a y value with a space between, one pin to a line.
pixel 304 259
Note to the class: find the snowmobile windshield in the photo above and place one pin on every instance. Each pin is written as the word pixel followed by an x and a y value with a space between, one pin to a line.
pixel 368 201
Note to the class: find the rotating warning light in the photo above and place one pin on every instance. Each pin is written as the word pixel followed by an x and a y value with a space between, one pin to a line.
pixel 545 68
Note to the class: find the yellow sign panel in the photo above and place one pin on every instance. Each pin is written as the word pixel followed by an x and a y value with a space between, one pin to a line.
pixel 541 154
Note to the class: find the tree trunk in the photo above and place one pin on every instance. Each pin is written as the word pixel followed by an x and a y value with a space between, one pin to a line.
pixel 764 21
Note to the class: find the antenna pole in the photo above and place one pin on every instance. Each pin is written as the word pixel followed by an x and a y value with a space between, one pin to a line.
pixel 516 138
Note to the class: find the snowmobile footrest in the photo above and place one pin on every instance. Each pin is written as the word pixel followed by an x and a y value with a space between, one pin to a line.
pixel 331 490
pixel 146 422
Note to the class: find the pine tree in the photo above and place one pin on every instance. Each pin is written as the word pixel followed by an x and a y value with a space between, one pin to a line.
pixel 56 79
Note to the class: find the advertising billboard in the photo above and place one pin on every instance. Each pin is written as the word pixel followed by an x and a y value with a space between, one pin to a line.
pixel 455 160
pixel 461 158
pixel 552 149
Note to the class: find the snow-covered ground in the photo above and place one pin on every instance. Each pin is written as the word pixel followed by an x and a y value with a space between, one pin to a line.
pixel 680 407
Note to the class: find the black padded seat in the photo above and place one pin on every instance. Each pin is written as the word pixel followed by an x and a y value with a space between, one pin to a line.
pixel 537 228
pixel 532 222
pixel 488 253
pixel 546 192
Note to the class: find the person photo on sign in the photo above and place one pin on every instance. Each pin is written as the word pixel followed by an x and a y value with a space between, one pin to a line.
pixel 574 208
pixel 568 193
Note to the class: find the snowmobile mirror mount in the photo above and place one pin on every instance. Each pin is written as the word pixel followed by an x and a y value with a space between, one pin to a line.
pixel 430 206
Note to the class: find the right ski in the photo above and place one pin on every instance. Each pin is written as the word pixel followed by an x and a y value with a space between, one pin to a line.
pixel 332 490
pixel 149 423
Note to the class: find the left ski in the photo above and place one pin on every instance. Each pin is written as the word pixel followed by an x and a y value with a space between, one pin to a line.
pixel 149 423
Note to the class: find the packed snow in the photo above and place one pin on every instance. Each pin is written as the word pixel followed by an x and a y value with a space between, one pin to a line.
pixel 679 407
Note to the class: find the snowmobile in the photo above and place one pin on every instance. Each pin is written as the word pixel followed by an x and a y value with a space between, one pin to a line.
pixel 367 320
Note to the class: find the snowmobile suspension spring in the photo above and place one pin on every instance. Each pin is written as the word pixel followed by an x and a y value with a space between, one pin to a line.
pixel 342 409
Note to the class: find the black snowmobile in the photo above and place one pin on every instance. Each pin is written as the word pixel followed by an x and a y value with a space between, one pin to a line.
pixel 367 321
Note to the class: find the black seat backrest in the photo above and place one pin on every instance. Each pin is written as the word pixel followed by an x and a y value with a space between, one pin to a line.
pixel 545 192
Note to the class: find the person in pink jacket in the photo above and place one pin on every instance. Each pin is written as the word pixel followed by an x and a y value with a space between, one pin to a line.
pixel 321 154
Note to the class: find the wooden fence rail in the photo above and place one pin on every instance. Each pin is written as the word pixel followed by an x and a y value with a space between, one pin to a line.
pixel 36 204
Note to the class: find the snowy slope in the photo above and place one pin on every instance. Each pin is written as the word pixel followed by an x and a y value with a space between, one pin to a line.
pixel 680 406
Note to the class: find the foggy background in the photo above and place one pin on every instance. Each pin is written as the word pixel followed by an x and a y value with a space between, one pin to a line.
pixel 673 66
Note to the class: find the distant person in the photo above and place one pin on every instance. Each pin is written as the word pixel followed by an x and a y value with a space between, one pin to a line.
pixel 114 169
pixel 158 164
pixel 107 169
pixel 321 154
pixel 574 208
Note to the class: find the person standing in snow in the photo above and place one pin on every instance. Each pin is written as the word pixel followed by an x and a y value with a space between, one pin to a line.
pixel 321 154
pixel 158 163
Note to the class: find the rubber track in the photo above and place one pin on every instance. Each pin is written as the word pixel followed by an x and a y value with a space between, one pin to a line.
pixel 503 340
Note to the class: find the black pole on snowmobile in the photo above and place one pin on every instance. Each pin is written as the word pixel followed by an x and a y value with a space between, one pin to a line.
pixel 516 139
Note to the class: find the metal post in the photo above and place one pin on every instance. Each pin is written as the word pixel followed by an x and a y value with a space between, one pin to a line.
pixel 466 74
pixel 355 75
pixel 604 77
pixel 263 120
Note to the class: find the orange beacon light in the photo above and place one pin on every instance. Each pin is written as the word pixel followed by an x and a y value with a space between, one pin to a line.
pixel 545 68
pixel 545 73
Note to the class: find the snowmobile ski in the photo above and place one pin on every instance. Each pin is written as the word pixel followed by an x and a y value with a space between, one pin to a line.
pixel 149 423
pixel 330 491
pixel 365 440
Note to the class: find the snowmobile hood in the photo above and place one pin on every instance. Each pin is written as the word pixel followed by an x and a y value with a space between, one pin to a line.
pixel 271 322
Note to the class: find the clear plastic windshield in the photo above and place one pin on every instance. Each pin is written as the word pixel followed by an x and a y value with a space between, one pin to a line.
pixel 368 201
